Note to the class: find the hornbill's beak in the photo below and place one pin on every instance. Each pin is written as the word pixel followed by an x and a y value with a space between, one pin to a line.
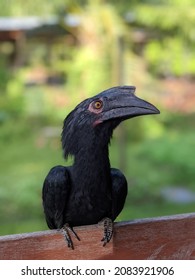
pixel 127 105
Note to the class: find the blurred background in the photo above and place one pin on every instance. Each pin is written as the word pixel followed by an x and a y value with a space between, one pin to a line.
pixel 53 54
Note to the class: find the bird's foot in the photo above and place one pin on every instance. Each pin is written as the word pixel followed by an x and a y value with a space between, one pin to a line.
pixel 108 230
pixel 66 229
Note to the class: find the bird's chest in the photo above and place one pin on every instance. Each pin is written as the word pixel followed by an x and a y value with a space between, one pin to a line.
pixel 88 206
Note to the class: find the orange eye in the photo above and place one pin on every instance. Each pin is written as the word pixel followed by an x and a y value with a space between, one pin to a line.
pixel 97 104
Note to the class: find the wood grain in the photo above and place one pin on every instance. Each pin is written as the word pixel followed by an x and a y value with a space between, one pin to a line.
pixel 170 237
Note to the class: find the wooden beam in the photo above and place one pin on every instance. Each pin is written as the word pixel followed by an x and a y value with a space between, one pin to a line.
pixel 170 237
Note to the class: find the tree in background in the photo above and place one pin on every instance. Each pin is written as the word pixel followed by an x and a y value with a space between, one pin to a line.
pixel 169 27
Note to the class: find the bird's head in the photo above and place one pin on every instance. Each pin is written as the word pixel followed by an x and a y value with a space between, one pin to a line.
pixel 100 114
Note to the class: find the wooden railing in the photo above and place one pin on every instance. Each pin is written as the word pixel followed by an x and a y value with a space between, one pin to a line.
pixel 170 237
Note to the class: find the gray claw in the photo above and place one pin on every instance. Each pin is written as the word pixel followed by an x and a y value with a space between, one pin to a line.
pixel 65 229
pixel 108 230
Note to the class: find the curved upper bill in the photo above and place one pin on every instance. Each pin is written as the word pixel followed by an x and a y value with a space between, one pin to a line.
pixel 127 105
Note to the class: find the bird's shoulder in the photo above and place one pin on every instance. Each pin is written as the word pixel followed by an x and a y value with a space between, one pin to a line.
pixel 118 178
pixel 57 175
pixel 56 183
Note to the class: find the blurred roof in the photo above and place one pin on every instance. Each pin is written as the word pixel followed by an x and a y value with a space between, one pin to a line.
pixel 29 23
pixel 11 28
pixel 7 24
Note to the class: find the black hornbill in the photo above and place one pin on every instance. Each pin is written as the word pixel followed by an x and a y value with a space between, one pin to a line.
pixel 90 191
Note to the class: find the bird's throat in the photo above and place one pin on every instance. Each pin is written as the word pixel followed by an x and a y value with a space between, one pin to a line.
pixel 95 171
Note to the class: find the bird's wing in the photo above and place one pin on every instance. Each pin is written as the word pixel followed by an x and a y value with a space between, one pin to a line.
pixel 119 191
pixel 56 188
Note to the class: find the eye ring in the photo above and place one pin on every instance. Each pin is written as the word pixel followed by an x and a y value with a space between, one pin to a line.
pixel 97 105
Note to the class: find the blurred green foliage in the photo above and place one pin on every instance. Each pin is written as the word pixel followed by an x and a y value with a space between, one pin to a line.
pixel 11 94
pixel 159 149
pixel 171 25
